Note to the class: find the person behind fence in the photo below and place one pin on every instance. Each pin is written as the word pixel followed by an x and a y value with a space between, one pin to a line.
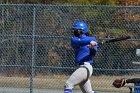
pixel 85 48
pixel 118 83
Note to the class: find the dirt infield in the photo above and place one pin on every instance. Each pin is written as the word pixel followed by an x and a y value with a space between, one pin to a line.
pixel 99 83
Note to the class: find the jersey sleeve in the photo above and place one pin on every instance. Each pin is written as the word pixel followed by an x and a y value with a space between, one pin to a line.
pixel 75 41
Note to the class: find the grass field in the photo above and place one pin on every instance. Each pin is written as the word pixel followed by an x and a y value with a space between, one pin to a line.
pixel 99 83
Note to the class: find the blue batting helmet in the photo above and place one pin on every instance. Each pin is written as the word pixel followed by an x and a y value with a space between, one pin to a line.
pixel 80 25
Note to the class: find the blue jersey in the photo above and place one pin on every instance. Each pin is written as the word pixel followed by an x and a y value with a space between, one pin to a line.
pixel 82 52
pixel 136 87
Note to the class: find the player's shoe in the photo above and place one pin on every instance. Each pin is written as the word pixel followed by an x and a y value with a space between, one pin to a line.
pixel 94 91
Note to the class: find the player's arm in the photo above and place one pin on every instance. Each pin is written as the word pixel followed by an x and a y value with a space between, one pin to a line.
pixel 133 80
pixel 121 82
pixel 75 41
pixel 92 44
pixel 93 47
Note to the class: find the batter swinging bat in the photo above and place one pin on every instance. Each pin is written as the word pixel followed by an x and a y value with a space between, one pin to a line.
pixel 116 39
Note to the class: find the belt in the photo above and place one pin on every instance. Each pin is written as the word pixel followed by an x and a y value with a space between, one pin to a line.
pixel 83 63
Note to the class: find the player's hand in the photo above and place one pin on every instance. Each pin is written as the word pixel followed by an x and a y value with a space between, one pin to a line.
pixel 92 44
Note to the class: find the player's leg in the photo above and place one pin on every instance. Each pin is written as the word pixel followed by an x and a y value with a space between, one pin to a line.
pixel 86 87
pixel 77 77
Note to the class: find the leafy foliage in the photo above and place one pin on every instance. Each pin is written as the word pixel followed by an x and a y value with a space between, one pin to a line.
pixel 83 2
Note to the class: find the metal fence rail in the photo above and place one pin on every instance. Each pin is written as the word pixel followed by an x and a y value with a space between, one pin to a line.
pixel 35 44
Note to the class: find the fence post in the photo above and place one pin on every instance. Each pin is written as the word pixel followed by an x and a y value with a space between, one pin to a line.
pixel 33 54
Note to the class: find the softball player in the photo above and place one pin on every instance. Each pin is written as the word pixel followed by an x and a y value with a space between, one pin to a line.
pixel 85 48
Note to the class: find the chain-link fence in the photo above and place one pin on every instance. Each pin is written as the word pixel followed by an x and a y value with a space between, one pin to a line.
pixel 35 51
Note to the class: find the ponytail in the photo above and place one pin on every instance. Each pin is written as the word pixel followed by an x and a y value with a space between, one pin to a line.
pixel 88 34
